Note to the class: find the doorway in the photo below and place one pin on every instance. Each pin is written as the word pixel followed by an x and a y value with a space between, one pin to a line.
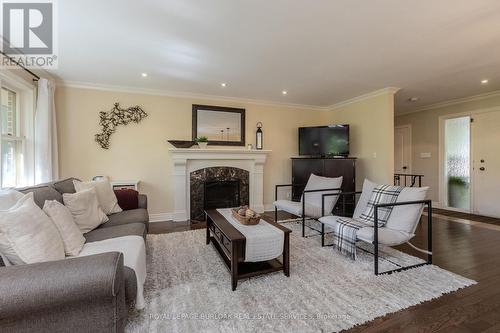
pixel 469 164
pixel 402 149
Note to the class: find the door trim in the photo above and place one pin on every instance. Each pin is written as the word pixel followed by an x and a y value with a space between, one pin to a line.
pixel 410 145
pixel 441 187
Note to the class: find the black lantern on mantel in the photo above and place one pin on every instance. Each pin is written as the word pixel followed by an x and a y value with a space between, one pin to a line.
pixel 258 137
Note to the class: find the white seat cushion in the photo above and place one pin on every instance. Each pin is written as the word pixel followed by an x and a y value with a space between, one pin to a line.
pixel 319 183
pixel 386 236
pixel 295 208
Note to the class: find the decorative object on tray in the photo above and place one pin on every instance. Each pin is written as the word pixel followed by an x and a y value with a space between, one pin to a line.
pixel 221 125
pixel 202 142
pixel 117 116
pixel 181 143
pixel 245 215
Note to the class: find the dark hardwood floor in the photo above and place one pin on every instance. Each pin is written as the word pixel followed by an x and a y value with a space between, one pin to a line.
pixel 469 249
pixel 465 216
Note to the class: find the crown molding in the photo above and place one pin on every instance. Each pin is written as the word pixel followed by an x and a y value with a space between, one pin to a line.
pixel 160 92
pixel 452 102
pixel 387 90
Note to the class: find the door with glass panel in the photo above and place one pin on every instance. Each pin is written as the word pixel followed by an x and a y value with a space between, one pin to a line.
pixel 457 163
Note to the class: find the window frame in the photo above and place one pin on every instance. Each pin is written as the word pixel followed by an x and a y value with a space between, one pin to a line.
pixel 24 136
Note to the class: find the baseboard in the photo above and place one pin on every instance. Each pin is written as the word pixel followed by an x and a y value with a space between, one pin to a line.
pixel 160 217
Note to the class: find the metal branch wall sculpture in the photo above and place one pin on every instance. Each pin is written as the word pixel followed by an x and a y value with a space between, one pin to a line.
pixel 117 116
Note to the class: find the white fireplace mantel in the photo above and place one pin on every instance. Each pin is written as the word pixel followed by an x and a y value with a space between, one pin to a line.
pixel 187 160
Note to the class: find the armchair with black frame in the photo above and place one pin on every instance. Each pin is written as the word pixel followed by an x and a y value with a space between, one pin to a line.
pixel 399 229
pixel 312 205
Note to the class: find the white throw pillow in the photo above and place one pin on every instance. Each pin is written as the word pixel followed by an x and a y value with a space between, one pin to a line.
pixel 319 183
pixel 70 233
pixel 85 209
pixel 9 198
pixel 105 194
pixel 28 235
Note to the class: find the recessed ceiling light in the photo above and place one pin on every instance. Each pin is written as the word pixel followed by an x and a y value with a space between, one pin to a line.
pixel 413 99
pixel 284 92
pixel 485 81
pixel 144 74
pixel 223 84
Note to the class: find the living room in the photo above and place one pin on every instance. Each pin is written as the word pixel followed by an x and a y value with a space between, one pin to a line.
pixel 249 166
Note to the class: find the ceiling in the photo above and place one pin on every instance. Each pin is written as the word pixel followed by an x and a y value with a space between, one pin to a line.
pixel 322 52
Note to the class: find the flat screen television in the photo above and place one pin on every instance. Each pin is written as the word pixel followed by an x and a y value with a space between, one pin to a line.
pixel 330 140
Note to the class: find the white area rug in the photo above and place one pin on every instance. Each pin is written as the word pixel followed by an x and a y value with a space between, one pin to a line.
pixel 188 289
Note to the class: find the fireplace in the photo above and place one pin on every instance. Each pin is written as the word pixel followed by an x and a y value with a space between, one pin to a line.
pixel 222 194
pixel 217 187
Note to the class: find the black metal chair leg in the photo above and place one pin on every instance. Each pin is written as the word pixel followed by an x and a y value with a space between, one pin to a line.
pixel 429 232
pixel 322 235
pixel 275 214
pixel 375 239
pixel 303 226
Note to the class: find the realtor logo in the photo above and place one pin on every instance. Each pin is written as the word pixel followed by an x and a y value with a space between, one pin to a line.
pixel 28 31
pixel 27 28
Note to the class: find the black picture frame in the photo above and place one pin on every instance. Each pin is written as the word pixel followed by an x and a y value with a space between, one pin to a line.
pixel 241 112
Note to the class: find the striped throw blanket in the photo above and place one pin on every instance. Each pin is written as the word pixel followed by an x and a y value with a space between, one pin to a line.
pixel 345 233
pixel 344 236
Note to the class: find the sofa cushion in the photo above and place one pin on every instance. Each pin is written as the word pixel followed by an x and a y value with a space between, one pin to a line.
pixel 65 185
pixel 128 216
pixel 130 229
pixel 41 193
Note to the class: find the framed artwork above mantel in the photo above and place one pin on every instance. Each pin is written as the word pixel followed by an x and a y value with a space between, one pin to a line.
pixel 222 126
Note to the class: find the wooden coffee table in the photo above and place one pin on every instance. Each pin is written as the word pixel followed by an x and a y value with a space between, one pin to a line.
pixel 231 244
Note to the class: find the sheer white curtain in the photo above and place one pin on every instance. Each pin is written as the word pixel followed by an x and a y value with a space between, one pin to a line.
pixel 46 157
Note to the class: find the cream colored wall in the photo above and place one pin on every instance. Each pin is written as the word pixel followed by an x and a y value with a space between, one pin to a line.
pixel 140 151
pixel 425 136
pixel 371 123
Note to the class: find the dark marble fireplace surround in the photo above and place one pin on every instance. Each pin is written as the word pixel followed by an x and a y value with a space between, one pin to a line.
pixel 198 178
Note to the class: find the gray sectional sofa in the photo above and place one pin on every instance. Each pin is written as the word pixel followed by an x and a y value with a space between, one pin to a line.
pixel 84 294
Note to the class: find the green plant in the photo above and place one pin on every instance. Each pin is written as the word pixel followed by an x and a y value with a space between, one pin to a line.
pixel 455 180
pixel 201 139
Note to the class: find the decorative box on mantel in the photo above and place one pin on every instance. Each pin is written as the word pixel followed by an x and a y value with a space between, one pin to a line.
pixel 188 160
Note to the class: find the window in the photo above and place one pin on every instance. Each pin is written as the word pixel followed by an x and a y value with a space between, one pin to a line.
pixel 11 149
pixel 16 123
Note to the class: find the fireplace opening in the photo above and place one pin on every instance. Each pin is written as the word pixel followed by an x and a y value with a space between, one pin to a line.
pixel 222 194
pixel 217 187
